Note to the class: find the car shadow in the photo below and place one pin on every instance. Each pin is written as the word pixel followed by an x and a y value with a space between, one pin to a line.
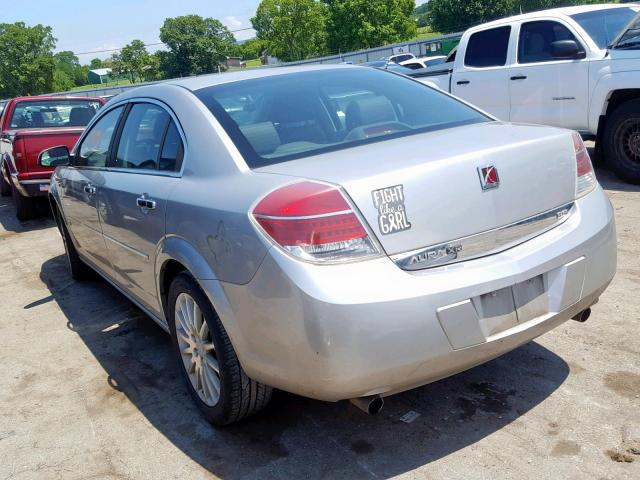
pixel 9 224
pixel 611 182
pixel 298 437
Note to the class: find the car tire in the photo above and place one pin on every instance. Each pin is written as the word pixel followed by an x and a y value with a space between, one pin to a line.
pixel 622 141
pixel 78 269
pixel 238 396
pixel 25 206
pixel 5 188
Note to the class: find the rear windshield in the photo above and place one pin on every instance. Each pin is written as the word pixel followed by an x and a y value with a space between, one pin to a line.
pixel 605 25
pixel 53 113
pixel 285 117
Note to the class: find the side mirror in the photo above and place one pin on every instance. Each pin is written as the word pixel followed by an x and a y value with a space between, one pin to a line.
pixel 54 157
pixel 566 50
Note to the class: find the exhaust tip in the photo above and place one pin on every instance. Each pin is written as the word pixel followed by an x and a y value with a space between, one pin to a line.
pixel 583 316
pixel 370 405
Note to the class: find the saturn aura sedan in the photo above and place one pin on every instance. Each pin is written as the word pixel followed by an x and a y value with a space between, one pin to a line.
pixel 338 232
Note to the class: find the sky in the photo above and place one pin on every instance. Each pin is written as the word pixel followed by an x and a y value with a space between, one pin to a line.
pixel 95 26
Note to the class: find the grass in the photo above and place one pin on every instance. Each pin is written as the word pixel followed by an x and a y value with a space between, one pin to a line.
pixel 426 33
pixel 115 83
pixel 253 63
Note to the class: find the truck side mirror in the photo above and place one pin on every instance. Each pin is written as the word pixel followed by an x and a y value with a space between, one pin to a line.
pixel 54 157
pixel 566 50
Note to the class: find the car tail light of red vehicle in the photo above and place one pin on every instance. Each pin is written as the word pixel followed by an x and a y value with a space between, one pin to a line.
pixel 314 222
pixel 586 177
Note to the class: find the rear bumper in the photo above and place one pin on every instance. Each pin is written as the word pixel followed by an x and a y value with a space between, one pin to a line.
pixel 338 332
pixel 33 188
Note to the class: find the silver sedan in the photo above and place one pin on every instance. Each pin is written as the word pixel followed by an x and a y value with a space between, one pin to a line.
pixel 337 232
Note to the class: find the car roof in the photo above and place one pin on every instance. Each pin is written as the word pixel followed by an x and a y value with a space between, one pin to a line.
pixel 203 81
pixel 38 98
pixel 562 11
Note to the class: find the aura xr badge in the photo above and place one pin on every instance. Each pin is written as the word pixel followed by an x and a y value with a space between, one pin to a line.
pixel 392 215
pixel 489 177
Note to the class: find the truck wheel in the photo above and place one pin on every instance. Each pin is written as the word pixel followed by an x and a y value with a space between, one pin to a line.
pixel 5 188
pixel 25 207
pixel 215 379
pixel 78 269
pixel 622 141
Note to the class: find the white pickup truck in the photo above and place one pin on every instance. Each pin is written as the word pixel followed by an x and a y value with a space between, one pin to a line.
pixel 574 67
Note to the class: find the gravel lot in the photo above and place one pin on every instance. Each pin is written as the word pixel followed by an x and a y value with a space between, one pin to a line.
pixel 88 389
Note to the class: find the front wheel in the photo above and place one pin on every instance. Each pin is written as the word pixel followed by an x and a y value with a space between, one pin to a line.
pixel 79 270
pixel 5 188
pixel 622 141
pixel 214 377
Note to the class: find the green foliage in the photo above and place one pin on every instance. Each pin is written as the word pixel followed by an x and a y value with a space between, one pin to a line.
pixel 252 49
pixel 26 59
pixel 132 61
pixel 457 15
pixel 95 64
pixel 196 45
pixel 358 24
pixel 292 29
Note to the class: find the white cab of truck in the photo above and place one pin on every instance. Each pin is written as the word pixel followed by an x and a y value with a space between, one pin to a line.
pixel 574 67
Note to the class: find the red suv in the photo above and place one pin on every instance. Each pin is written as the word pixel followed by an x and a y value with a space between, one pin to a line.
pixel 28 126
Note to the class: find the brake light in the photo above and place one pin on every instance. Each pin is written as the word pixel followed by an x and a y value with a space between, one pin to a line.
pixel 586 177
pixel 313 221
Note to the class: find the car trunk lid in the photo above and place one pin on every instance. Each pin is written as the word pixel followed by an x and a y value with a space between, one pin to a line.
pixel 426 190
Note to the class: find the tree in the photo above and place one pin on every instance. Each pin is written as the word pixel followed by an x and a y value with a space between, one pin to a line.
pixel 132 61
pixel 68 66
pixel 95 64
pixel 196 45
pixel 292 29
pixel 458 15
pixel 358 24
pixel 252 49
pixel 26 59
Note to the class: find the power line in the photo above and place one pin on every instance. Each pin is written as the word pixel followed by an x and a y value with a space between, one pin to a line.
pixel 146 44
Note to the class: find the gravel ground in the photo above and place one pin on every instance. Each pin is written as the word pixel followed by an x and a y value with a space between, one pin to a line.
pixel 88 389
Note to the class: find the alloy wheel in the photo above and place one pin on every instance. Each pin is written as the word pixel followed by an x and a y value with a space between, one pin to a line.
pixel 197 349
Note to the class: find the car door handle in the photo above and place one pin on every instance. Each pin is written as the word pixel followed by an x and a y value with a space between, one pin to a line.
pixel 90 189
pixel 145 203
pixel 463 82
pixel 519 77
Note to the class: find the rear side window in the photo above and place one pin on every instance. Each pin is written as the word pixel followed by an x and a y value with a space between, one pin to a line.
pixel 94 150
pixel 536 38
pixel 488 48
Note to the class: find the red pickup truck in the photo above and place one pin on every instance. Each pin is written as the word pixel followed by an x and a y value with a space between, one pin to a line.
pixel 28 126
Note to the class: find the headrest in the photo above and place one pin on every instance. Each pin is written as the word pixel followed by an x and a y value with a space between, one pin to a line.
pixel 263 137
pixel 369 111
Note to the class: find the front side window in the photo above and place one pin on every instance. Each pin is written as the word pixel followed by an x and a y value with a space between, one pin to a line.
pixel 54 113
pixel 149 140
pixel 536 39
pixel 94 150
pixel 284 117
pixel 605 25
pixel 488 48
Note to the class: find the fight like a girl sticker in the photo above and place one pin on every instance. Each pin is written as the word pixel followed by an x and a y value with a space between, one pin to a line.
pixel 392 215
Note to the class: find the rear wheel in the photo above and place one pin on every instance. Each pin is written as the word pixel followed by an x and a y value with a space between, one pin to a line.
pixel 622 141
pixel 5 188
pixel 215 379
pixel 79 270
pixel 25 206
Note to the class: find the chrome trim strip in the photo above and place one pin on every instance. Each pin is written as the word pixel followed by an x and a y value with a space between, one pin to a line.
pixel 307 217
pixel 485 243
pixel 126 247
pixel 33 182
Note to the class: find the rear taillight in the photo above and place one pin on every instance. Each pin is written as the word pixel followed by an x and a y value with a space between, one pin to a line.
pixel 313 221
pixel 586 177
